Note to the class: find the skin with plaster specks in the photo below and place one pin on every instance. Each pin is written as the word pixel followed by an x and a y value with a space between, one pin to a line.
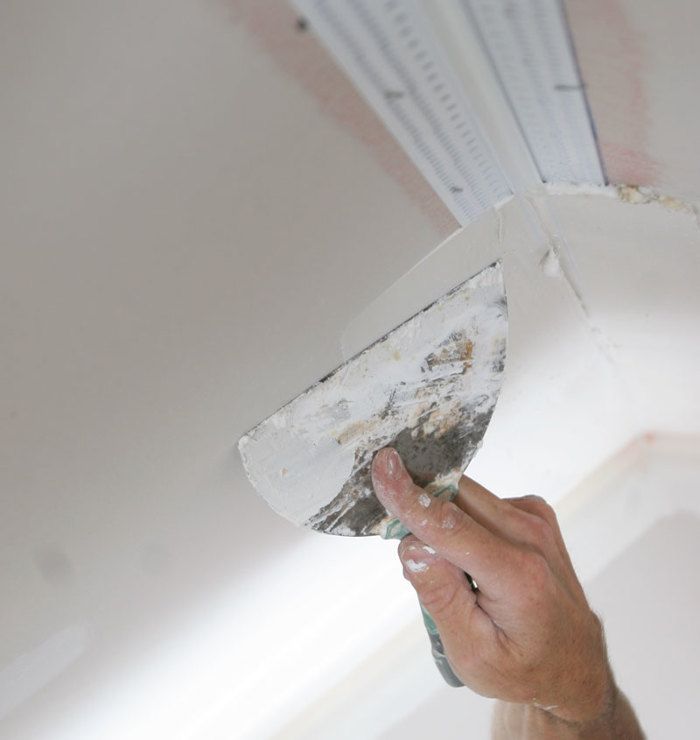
pixel 527 635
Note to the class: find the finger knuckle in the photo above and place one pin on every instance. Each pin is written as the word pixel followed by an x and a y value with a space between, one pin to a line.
pixel 452 520
pixel 535 570
pixel 535 500
pixel 540 530
pixel 439 598
pixel 541 508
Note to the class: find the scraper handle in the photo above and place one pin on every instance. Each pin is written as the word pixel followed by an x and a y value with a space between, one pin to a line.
pixel 437 647
pixel 396 530
pixel 438 651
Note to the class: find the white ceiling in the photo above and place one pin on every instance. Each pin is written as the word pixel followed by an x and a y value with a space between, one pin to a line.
pixel 197 210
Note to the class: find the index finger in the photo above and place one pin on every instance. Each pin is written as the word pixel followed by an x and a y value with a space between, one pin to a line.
pixel 441 524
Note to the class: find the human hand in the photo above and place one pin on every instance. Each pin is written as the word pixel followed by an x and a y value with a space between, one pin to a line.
pixel 527 634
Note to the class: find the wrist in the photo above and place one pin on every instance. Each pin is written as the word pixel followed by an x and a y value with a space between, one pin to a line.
pixel 516 721
pixel 587 690
pixel 592 723
pixel 595 700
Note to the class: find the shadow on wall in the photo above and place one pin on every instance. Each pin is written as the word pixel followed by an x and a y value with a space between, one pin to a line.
pixel 649 598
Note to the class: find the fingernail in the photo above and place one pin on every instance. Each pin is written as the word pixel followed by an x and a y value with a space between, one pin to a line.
pixel 393 463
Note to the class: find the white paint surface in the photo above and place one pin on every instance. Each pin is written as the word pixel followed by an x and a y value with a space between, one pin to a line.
pixel 25 675
pixel 187 234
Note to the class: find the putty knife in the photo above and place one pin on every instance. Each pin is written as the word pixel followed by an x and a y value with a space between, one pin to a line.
pixel 428 388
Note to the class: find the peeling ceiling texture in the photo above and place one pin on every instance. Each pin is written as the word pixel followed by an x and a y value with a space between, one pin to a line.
pixel 205 208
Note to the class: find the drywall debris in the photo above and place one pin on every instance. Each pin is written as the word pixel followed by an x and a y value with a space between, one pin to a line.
pixel 637 195
pixel 550 264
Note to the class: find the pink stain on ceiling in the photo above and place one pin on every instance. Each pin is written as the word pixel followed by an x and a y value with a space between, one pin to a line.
pixel 614 66
pixel 293 47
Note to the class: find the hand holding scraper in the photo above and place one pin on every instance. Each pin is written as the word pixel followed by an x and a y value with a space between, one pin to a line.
pixel 427 389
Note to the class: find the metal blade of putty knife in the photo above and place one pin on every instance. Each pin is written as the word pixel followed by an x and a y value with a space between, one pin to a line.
pixel 427 388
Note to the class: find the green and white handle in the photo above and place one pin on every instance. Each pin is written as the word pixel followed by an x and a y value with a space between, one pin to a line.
pixel 396 531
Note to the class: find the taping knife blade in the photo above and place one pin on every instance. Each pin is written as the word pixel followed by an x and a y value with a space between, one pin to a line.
pixel 427 388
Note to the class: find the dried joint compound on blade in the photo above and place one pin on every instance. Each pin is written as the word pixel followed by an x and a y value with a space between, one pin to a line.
pixel 428 389
pixel 452 357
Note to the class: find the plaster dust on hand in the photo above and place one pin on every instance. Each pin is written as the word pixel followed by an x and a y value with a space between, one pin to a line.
pixel 416 566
